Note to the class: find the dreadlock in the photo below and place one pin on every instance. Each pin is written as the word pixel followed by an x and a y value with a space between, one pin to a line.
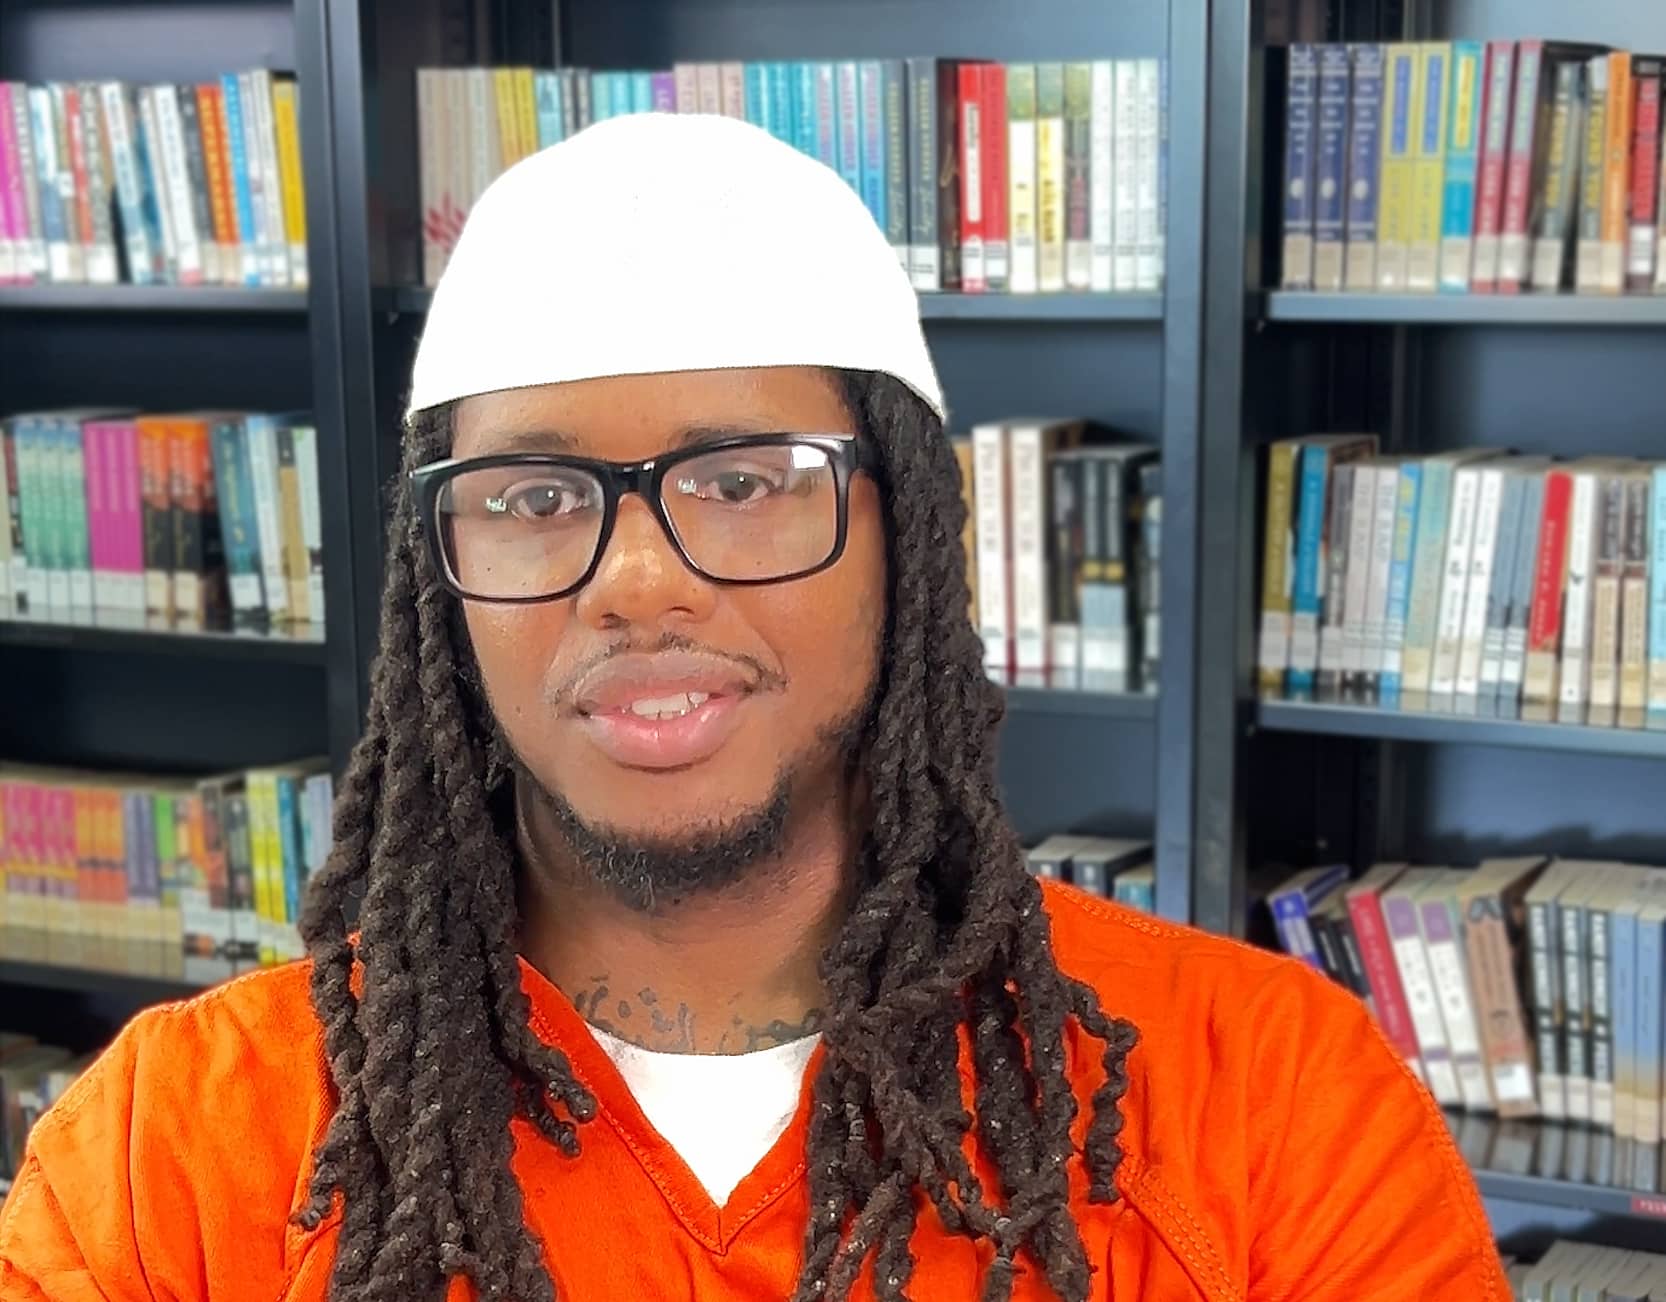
pixel 430 1045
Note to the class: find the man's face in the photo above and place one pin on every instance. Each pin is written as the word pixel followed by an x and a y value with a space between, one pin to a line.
pixel 660 708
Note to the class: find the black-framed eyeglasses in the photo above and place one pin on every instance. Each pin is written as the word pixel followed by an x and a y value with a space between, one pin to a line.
pixel 747 509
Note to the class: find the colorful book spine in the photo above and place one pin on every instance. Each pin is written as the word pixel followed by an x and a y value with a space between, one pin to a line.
pixel 287 137
pixel 1434 93
pixel 1477 588
pixel 805 125
pixel 848 110
pixel 1365 118
pixel 870 85
pixel 973 277
pixel 894 101
pixel 1330 197
pixel 1499 84
pixel 1644 206
pixel 997 255
pixel 13 221
pixel 1150 87
pixel 1402 98
pixel 1101 214
pixel 1050 177
pixel 1515 235
pixel 1616 175
pixel 1307 584
pixel 1399 584
pixel 1634 601
pixel 1496 615
pixel 37 261
pixel 1550 569
pixel 1463 147
pixel 1277 567
pixel 1599 106
pixel 1417 979
pixel 1301 114
pixel 1078 148
pixel 1657 602
pixel 1437 914
pixel 1520 605
pixel 924 260
pixel 237 141
pixel 1021 167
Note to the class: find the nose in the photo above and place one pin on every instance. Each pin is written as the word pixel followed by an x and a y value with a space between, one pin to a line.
pixel 641 579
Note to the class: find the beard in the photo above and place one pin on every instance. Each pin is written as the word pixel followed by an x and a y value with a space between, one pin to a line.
pixel 650 873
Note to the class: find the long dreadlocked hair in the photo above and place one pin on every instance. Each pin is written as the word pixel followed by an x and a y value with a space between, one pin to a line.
pixel 436 1055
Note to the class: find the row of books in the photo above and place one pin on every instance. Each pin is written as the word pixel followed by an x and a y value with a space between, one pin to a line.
pixel 1569 1269
pixel 1564 1151
pixel 1470 167
pixel 189 184
pixel 197 520
pixel 1020 178
pixel 1526 986
pixel 178 878
pixel 33 1076
pixel 1472 582
pixel 1111 868
pixel 1063 543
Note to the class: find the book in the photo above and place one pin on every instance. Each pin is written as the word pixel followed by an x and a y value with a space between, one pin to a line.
pixel 1573 677
pixel 1101 174
pixel 1022 211
pixel 1441 922
pixel 1655 715
pixel 1434 93
pixel 1402 103
pixel 1552 218
pixel 1050 176
pixel 1498 86
pixel 1330 197
pixel 1365 909
pixel 1111 652
pixel 1634 599
pixel 1365 122
pixel 1512 666
pixel 1400 915
pixel 1124 186
pixel 1588 246
pixel 1464 127
pixel 1278 565
pixel 1616 175
pixel 1478 587
pixel 1492 909
pixel 1320 457
pixel 1292 903
pixel 1608 570
pixel 1301 127
pixel 1066 555
pixel 1643 204
pixel 1030 443
pixel 1078 148
pixel 990 476
pixel 1540 688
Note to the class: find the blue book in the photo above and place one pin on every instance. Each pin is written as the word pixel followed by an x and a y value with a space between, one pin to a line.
pixel 239 526
pixel 642 91
pixel 1365 118
pixel 289 830
pixel 624 94
pixel 54 220
pixel 1162 169
pixel 1502 584
pixel 804 108
pixel 781 84
pixel 1331 171
pixel 546 90
pixel 755 83
pixel 1292 904
pixel 1300 122
pixel 848 123
pixel 827 116
pixel 1622 998
pixel 1657 602
pixel 1399 582
pixel 871 113
pixel 242 192
pixel 1651 1033
pixel 601 96
pixel 1137 888
pixel 1463 148
pixel 1307 583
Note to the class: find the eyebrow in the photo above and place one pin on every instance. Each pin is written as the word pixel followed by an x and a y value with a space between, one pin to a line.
pixel 553 440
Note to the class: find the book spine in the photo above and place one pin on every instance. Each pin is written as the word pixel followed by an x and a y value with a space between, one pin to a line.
pixel 1125 182
pixel 1634 603
pixel 53 218
pixel 217 161
pixel 291 870
pixel 1050 177
pixel 1295 926
pixel 1399 584
pixel 1589 205
pixel 1506 1050
pixel 1446 963
pixel 295 565
pixel 1656 716
pixel 1496 614
pixel 662 98
pixel 77 540
pixel 973 278
pixel 1277 568
pixel 279 272
pixel 238 526
pixel 1151 568
pixel 1651 990
pixel 924 260
pixel 1021 165
pixel 1494 153
pixel 1623 948
pixel 263 190
pixel 804 105
pixel 1096 593
pixel 196 174
pixel 1362 530
pixel 1616 176
pixel 1539 678
pixel 1644 204
pixel 1473 628
pixel 1428 166
pixel 1101 165
pixel 1574 684
pixel 1554 224
pixel 7 606
pixel 1524 574
pixel 848 108
pixel 989 453
pixel 312 519
pixel 37 262
pixel 71 182
pixel 1545 966
pixel 894 95
pixel 1417 979
pixel 1078 148
pixel 1338 531
pixel 1330 197
pixel 1384 515
pixel 1401 97
pixel 186 518
pixel 157 515
pixel 1365 909
pixel 1148 167
pixel 1521 172
pixel 1576 1042
pixel 102 267
pixel 870 85
pixel 260 434
pixel 1602 1026
pixel 1443 678
pixel 13 230
pixel 1306 583
pixel 997 238
pixel 237 145
pixel 1463 147
pixel 1301 113
pixel 1027 447
pixel 732 88
pixel 1608 573
pixel 286 130
pixel 188 247
pixel 1064 567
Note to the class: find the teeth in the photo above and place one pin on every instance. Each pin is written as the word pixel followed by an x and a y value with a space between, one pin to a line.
pixel 669 707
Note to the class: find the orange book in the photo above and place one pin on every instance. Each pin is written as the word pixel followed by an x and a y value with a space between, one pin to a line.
pixel 1616 173
pixel 211 116
pixel 196 568
pixel 156 513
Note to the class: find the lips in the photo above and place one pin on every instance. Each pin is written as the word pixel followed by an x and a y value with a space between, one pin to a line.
pixel 662 711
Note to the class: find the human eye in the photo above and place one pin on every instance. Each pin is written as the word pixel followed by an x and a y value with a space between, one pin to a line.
pixel 748 476
pixel 544 497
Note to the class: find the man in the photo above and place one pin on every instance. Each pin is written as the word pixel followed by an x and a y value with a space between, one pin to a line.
pixel 674 943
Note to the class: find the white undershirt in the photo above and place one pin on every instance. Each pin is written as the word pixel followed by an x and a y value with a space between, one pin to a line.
pixel 721 1111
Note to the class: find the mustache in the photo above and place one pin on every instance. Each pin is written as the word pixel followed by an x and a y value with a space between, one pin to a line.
pixel 564 693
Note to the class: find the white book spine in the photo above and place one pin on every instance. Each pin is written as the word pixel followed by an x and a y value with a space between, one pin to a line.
pixel 1027 462
pixel 76 251
pixel 276 236
pixel 431 169
pixel 1576 601
pixel 262 187
pixel 312 518
pixel 1412 959
pixel 46 174
pixel 1474 627
pixel 1147 227
pixel 187 243
pixel 989 480
pixel 74 455
pixel 459 160
pixel 158 181
pixel 1449 624
pixel 1125 177
pixel 974 270
pixel 1362 529
pixel 1374 627
pixel 1021 171
pixel 263 479
pixel 1446 965
pixel 1101 165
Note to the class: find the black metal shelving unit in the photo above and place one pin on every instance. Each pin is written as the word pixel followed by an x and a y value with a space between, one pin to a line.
pixel 1433 729
pixel 1560 311
pixel 129 988
pixel 249 647
pixel 150 298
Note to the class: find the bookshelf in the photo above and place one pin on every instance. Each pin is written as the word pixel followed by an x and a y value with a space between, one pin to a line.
pixel 1434 729
pixel 1518 310
pixel 246 647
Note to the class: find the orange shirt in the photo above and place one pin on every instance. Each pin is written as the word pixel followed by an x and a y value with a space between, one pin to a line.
pixel 1276 1147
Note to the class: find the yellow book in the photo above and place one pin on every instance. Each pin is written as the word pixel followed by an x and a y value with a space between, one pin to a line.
pixel 259 788
pixel 1050 192
pixel 526 112
pixel 1433 92
pixel 508 120
pixel 1277 565
pixel 5 871
pixel 1401 99
pixel 286 123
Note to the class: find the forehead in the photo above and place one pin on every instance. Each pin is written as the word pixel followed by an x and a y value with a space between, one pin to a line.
pixel 631 417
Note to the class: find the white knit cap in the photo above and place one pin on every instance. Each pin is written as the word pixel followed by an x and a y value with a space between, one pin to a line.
pixel 664 242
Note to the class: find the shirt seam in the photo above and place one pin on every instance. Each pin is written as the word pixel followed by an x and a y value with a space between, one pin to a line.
pixel 1185 1238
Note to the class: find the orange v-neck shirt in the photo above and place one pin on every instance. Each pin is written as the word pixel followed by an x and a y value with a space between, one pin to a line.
pixel 1276 1148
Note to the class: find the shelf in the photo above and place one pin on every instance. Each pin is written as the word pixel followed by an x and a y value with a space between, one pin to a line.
pixel 134 989
pixel 150 298
pixel 939 307
pixel 1081 705
pixel 1469 309
pixel 1561 1164
pixel 1598 1200
pixel 1389 725
pixel 221 646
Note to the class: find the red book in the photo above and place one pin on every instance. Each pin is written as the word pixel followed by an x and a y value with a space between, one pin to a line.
pixel 1544 620
pixel 973 271
pixel 1497 87
pixel 1388 997
pixel 82 231
pixel 1514 252
pixel 1644 206
pixel 997 262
